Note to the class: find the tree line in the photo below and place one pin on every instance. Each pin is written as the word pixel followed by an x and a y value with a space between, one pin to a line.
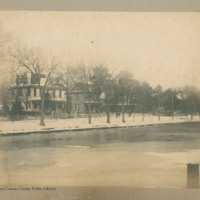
pixel 122 92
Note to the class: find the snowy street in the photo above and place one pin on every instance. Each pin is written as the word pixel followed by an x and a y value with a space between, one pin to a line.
pixel 31 126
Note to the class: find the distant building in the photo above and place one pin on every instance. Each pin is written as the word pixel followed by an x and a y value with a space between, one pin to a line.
pixel 80 100
pixel 27 90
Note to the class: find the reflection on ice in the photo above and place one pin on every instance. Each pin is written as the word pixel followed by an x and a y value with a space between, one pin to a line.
pixel 145 156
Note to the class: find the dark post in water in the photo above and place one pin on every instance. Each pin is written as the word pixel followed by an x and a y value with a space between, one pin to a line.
pixel 192 175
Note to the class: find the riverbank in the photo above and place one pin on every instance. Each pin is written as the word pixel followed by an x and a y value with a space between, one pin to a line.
pixel 77 124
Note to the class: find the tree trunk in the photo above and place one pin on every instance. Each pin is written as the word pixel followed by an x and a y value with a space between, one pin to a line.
pixel 108 114
pixel 130 112
pixel 158 107
pixel 172 106
pixel 89 110
pixel 143 116
pixel 123 118
pixel 134 117
pixel 42 121
pixel 99 107
pixel 159 113
pixel 69 109
pixel 56 111
pixel 117 112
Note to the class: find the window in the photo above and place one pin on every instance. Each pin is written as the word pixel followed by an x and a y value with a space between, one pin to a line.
pixel 13 94
pixel 54 93
pixel 28 92
pixel 60 93
pixel 35 105
pixel 77 97
pixel 20 91
pixel 35 92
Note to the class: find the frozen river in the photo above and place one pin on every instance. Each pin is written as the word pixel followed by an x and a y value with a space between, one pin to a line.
pixel 129 157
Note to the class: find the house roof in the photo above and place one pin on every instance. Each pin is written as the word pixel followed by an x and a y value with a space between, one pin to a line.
pixel 79 87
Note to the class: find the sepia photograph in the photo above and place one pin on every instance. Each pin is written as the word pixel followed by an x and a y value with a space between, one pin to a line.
pixel 99 105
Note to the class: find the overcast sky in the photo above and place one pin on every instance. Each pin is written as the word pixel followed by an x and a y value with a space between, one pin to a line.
pixel 160 48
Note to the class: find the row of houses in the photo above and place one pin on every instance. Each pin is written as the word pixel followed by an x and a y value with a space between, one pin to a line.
pixel 28 88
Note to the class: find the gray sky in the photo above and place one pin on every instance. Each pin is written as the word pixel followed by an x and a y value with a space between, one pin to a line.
pixel 160 48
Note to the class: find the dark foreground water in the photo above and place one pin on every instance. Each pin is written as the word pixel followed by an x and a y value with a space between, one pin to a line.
pixel 137 157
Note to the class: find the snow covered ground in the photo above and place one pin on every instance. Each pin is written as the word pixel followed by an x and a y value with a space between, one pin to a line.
pixel 30 126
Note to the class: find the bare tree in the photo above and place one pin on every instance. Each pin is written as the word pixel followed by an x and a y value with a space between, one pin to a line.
pixel 100 77
pixel 66 78
pixel 4 97
pixel 50 71
pixel 81 76
pixel 109 95
pixel 84 80
pixel 31 60
pixel 124 85
pixel 28 60
pixel 157 93
pixel 73 77
pixel 5 39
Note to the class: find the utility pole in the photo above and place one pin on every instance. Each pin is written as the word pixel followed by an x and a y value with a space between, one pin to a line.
pixel 89 96
pixel 172 105
pixel 158 107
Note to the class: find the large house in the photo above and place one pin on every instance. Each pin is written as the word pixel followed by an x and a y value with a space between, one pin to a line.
pixel 27 90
